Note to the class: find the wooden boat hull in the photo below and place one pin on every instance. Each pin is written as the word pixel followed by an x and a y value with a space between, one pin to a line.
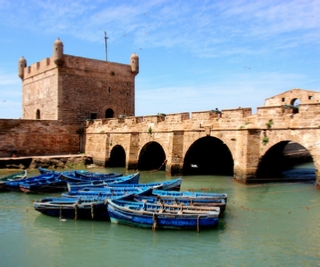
pixel 186 201
pixel 46 187
pixel 19 176
pixel 15 184
pixel 173 185
pixel 68 208
pixel 164 193
pixel 109 192
pixel 170 218
pixel 129 179
pixel 97 175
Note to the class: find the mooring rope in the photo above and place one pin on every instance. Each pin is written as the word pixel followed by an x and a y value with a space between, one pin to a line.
pixel 76 211
pixel 92 210
pixel 154 225
pixel 60 217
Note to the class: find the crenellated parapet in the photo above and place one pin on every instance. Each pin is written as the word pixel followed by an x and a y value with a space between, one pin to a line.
pixel 247 136
pixel 55 88
pixel 38 68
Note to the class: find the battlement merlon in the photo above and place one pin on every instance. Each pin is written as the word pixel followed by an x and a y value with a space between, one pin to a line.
pixel 75 63
pixel 61 60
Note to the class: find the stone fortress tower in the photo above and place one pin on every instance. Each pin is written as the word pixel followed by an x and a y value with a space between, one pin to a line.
pixel 74 89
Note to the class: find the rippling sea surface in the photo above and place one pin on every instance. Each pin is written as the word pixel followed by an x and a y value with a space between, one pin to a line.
pixel 264 225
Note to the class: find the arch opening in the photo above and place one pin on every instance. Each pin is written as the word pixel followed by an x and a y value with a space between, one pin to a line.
pixel 295 104
pixel 287 161
pixel 152 157
pixel 109 113
pixel 117 157
pixel 38 114
pixel 208 156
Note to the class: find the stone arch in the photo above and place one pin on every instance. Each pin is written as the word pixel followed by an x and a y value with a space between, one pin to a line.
pixel 209 156
pixel 152 157
pixel 109 113
pixel 117 157
pixel 277 161
pixel 295 102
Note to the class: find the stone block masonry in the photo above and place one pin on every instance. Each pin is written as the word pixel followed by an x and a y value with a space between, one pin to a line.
pixel 39 137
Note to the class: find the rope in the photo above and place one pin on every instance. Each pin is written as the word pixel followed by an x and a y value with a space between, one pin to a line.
pixel 76 211
pixel 163 163
pixel 198 223
pixel 154 218
pixel 92 210
pixel 60 217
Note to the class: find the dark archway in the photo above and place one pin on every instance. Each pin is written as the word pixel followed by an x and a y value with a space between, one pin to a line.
pixel 117 157
pixel 38 114
pixel 295 105
pixel 109 113
pixel 152 157
pixel 281 160
pixel 208 156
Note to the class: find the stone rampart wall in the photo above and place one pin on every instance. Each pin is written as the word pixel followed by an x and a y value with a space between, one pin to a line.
pixel 276 117
pixel 247 136
pixel 38 137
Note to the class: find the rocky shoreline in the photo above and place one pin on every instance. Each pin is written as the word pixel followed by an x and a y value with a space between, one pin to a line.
pixel 50 162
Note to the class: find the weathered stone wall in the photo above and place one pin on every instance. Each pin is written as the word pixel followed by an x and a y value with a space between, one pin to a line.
pixel 242 132
pixel 38 137
pixel 286 98
pixel 89 86
pixel 76 89
pixel 40 90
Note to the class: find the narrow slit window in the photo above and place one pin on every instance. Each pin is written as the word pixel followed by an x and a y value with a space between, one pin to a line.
pixel 38 114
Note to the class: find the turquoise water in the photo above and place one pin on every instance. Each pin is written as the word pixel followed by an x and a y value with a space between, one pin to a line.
pixel 264 225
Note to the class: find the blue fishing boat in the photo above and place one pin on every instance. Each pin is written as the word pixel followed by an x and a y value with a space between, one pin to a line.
pixel 87 206
pixel 128 179
pixel 81 175
pixel 44 185
pixel 49 171
pixel 174 184
pixel 186 201
pixel 73 208
pixel 15 184
pixel 18 176
pixel 97 175
pixel 87 178
pixel 109 192
pixel 203 195
pixel 162 216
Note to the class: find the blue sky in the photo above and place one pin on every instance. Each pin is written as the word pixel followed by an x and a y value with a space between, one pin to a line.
pixel 194 55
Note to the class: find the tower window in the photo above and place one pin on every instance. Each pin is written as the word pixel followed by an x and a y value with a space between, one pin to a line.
pixel 93 115
pixel 109 90
pixel 283 99
pixel 38 114
pixel 310 97
pixel 109 113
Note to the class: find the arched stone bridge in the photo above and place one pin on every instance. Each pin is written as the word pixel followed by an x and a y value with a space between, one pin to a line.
pixel 233 142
